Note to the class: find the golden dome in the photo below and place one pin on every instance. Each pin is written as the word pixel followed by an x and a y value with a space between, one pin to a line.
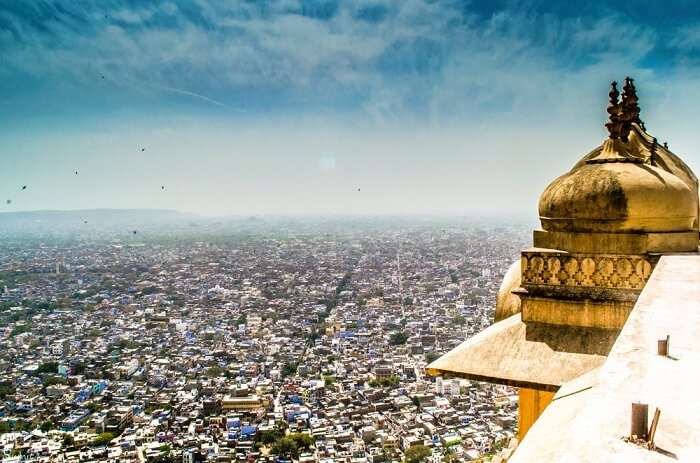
pixel 618 197
pixel 628 184
pixel 507 303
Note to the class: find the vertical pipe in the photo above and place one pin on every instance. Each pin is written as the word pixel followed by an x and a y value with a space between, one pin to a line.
pixel 640 415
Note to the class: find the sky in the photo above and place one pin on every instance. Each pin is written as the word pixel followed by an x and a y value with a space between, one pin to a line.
pixel 327 106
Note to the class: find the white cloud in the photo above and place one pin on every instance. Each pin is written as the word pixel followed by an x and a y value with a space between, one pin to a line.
pixel 424 59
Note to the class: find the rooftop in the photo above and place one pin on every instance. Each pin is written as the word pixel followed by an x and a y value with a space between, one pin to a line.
pixel 590 416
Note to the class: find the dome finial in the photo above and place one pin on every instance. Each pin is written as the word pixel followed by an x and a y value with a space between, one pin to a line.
pixel 613 124
pixel 629 108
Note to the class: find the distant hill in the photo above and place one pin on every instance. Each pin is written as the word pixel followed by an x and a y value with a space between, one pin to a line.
pixel 90 219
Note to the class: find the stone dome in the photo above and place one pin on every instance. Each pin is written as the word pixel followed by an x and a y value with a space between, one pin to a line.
pixel 661 156
pixel 629 184
pixel 618 196
pixel 507 303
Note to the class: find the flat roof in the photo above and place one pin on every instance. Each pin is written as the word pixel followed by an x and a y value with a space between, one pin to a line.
pixel 590 416
pixel 532 355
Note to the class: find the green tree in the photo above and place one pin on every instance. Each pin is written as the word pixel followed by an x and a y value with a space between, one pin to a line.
pixel 19 329
pixel 68 440
pixel 398 338
pixel 6 388
pixel 215 371
pixel 47 426
pixel 303 441
pixel 289 369
pixel 22 425
pixel 416 454
pixel 286 447
pixel 387 381
pixel 103 439
pixel 268 437
pixel 51 380
pixel 48 367
pixel 93 407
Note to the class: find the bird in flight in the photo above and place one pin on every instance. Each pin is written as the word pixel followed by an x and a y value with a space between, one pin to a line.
pixel 134 232
pixel 24 187
pixel 162 187
pixel 9 201
pixel 76 172
pixel 143 149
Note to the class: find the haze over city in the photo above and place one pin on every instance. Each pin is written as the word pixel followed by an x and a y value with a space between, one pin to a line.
pixel 326 106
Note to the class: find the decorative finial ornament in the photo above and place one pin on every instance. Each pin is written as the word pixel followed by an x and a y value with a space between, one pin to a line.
pixel 613 124
pixel 629 108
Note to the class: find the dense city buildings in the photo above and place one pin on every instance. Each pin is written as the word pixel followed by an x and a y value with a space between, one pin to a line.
pixel 256 341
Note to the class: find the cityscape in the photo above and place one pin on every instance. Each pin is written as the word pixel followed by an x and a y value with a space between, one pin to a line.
pixel 349 231
pixel 302 339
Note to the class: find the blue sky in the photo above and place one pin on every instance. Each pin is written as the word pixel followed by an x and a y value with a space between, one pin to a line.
pixel 289 106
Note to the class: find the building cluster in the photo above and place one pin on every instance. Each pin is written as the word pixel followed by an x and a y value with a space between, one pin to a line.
pixel 304 346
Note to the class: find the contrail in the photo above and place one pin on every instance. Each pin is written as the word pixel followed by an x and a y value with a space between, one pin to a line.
pixel 192 94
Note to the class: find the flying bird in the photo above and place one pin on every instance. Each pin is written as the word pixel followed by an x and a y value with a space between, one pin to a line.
pixel 143 149
pixel 134 232
pixel 9 201
pixel 162 187
pixel 24 187
pixel 358 189
pixel 76 172
pixel 84 221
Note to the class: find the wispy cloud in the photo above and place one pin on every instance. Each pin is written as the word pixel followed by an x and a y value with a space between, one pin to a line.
pixel 382 58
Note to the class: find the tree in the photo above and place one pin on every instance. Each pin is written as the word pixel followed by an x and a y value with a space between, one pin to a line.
pixel 19 329
pixel 6 388
pixel 93 407
pixel 47 426
pixel 292 445
pixel 287 447
pixel 398 338
pixel 430 357
pixel 68 440
pixel 51 380
pixel 303 441
pixel 268 437
pixel 103 439
pixel 215 371
pixel 289 369
pixel 416 454
pixel 22 425
pixel 385 381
